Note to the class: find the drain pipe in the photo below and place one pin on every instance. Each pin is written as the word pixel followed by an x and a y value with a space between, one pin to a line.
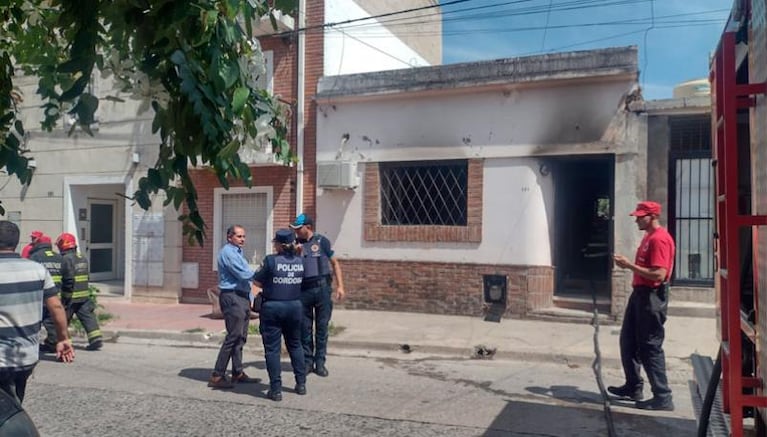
pixel 300 102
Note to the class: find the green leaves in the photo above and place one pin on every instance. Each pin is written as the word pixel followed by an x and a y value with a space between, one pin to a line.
pixel 190 61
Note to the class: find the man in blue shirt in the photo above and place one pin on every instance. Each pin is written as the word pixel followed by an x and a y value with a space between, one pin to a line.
pixel 234 283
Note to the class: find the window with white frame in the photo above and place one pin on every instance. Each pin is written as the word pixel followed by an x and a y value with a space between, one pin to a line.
pixel 424 193
pixel 250 208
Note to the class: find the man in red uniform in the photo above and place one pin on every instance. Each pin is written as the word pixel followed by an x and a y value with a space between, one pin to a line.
pixel 642 333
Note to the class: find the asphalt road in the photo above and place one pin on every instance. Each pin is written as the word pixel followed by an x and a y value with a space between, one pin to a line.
pixel 160 390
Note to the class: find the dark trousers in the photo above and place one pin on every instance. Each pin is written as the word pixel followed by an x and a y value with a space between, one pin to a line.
pixel 641 340
pixel 318 307
pixel 14 382
pixel 86 313
pixel 50 328
pixel 236 310
pixel 278 318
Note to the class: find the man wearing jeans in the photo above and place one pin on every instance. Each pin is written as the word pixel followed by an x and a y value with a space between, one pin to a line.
pixel 234 283
pixel 319 268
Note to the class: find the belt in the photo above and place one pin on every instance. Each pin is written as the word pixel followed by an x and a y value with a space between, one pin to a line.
pixel 319 281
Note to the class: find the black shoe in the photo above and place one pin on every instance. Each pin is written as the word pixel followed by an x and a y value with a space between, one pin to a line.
pixel 656 404
pixel 276 396
pixel 96 345
pixel 242 378
pixel 627 392
pixel 301 389
pixel 321 370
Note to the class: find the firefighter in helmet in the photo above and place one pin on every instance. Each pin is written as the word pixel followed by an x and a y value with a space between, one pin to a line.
pixel 75 294
pixel 42 252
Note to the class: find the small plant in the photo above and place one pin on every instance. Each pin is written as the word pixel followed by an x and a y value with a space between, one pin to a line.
pixel 335 330
pixel 253 329
pixel 102 316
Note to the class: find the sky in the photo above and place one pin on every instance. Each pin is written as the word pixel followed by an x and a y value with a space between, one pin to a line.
pixel 674 37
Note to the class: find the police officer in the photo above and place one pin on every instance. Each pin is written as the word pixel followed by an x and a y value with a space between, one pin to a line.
pixel 280 278
pixel 319 269
pixel 75 294
pixel 42 252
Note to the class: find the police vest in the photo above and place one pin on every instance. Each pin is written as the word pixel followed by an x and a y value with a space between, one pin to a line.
pixel 316 263
pixel 52 261
pixel 80 291
pixel 286 275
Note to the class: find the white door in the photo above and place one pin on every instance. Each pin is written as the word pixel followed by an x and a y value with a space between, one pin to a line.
pixel 102 229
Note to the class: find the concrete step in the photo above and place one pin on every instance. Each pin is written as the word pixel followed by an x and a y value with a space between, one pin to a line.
pixel 691 309
pixel 569 315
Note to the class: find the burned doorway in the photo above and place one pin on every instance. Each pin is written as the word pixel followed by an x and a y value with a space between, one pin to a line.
pixel 583 225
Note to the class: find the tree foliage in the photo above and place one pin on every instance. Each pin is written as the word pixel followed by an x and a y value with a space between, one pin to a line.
pixel 192 61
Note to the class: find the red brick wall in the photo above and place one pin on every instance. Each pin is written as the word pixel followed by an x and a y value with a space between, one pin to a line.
pixel 281 179
pixel 315 17
pixel 443 288
pixel 472 232
pixel 277 177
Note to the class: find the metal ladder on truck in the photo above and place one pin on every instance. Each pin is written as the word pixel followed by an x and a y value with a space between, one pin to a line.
pixel 740 389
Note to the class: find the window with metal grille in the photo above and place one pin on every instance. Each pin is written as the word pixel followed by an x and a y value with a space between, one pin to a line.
pixel 424 193
pixel 249 208
pixel 690 133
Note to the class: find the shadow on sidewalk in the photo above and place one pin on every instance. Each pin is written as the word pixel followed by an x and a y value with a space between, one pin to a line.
pixel 522 418
pixel 257 389
pixel 567 393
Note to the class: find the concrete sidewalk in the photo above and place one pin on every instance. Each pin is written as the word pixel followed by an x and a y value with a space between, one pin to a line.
pixel 572 343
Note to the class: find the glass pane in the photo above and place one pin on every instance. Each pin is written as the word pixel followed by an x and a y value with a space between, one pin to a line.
pixel 101 260
pixel 101 223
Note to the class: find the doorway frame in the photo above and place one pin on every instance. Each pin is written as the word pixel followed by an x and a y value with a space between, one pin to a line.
pixel 70 217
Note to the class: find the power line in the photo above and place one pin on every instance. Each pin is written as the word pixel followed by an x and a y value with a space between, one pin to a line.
pixel 354 20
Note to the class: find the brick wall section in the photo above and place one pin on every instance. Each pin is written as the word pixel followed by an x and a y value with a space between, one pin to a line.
pixel 442 288
pixel 281 179
pixel 277 177
pixel 314 66
pixel 472 232
pixel 757 68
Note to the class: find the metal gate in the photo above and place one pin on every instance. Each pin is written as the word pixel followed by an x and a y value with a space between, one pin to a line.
pixel 691 199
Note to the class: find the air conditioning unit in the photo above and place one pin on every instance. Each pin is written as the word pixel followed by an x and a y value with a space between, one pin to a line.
pixel 337 174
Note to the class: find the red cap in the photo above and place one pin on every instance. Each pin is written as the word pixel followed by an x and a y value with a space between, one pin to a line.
pixel 646 208
pixel 44 239
pixel 35 235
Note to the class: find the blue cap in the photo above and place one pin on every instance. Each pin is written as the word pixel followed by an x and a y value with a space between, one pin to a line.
pixel 302 220
pixel 284 236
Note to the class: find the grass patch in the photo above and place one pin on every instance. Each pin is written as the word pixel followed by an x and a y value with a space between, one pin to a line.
pixel 102 316
pixel 335 330
pixel 253 329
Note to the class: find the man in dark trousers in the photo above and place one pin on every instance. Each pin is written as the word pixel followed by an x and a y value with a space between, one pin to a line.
pixel 25 286
pixel 316 290
pixel 42 252
pixel 75 293
pixel 642 333
pixel 235 284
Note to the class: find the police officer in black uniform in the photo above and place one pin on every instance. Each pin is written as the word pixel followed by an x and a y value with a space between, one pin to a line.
pixel 75 293
pixel 280 278
pixel 42 252
pixel 319 269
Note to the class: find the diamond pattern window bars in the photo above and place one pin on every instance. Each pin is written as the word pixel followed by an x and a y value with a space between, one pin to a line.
pixel 424 193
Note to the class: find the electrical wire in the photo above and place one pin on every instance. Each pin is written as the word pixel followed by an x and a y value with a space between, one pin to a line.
pixel 645 61
pixel 546 26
